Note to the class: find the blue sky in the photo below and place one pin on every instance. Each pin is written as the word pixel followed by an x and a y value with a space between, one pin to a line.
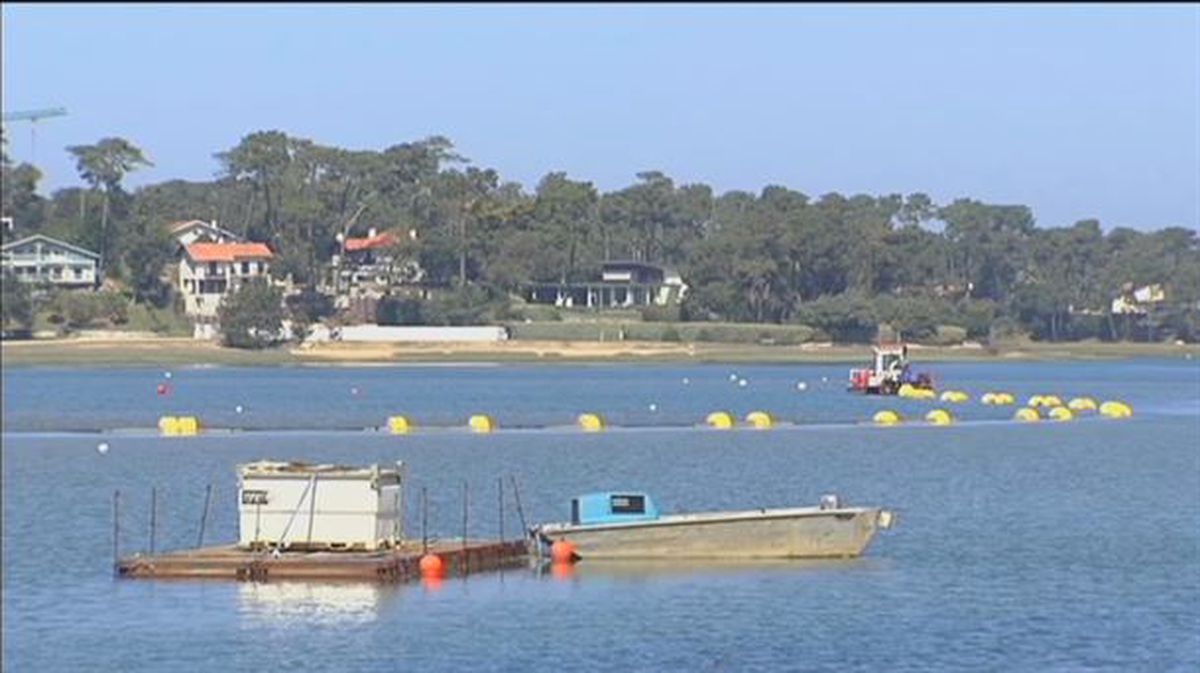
pixel 1077 111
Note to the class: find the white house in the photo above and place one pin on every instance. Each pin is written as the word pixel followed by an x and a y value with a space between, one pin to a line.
pixel 199 231
pixel 41 259
pixel 209 271
pixel 622 284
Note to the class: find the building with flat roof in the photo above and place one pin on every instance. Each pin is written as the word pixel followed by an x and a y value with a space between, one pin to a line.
pixel 622 284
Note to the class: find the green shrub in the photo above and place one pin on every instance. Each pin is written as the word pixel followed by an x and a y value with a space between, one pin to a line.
pixel 670 313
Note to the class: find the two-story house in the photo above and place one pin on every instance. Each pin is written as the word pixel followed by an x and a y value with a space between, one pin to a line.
pixel 210 271
pixel 44 260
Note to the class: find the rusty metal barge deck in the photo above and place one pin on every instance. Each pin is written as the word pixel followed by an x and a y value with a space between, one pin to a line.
pixel 401 564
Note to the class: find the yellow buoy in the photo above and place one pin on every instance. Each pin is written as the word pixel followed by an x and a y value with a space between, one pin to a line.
pixel 987 398
pixel 1082 404
pixel 188 425
pixel 760 420
pixel 886 417
pixel 1051 401
pixel 590 422
pixel 1034 401
pixel 1115 409
pixel 906 390
pixel 399 425
pixel 1026 415
pixel 939 417
pixel 955 396
pixel 168 426
pixel 1061 414
pixel 481 423
pixel 721 420
pixel 1005 398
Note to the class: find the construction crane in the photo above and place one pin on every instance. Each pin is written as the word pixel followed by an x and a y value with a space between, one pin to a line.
pixel 32 116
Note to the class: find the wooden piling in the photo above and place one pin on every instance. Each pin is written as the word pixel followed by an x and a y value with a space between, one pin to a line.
pixel 204 516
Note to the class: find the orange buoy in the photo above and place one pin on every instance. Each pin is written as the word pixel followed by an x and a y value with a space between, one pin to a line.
pixel 562 552
pixel 432 566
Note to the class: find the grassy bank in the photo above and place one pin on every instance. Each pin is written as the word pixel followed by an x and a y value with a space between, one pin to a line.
pixel 175 351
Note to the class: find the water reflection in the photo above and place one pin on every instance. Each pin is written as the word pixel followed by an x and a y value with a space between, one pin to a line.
pixel 640 569
pixel 314 603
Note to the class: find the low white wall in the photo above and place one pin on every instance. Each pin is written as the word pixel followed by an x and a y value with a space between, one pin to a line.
pixel 417 333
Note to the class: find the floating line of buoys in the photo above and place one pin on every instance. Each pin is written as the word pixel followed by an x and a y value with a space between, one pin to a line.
pixel 939 417
pixel 1115 409
pixel 720 420
pixel 760 420
pixel 1061 414
pixel 1027 415
pixel 886 417
pixel 481 423
pixel 590 422
pixel 179 426
pixel 955 396
pixel 1044 401
pixel 1082 404
pixel 399 425
pixel 998 398
pixel 911 392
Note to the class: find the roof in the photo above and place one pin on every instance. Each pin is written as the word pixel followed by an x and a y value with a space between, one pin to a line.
pixel 52 241
pixel 182 225
pixel 227 252
pixel 372 243
pixel 270 468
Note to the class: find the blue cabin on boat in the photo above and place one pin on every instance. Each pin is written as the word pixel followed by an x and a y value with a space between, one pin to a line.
pixel 612 507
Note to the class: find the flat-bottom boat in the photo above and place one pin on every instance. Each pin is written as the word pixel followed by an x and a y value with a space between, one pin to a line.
pixel 628 525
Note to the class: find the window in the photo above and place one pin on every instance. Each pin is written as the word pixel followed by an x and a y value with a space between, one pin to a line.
pixel 628 504
pixel 78 273
pixel 245 267
pixel 212 268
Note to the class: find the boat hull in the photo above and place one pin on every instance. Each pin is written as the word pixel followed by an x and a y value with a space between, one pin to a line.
pixel 780 533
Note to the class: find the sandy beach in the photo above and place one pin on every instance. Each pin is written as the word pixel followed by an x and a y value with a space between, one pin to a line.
pixel 110 349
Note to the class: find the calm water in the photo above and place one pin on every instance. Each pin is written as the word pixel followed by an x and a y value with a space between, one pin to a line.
pixel 1019 547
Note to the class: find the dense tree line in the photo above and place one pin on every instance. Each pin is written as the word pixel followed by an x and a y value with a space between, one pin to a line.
pixel 840 263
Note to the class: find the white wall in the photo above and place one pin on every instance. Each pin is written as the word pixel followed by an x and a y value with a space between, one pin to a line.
pixel 361 333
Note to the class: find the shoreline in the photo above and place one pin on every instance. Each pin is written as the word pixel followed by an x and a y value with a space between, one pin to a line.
pixel 159 351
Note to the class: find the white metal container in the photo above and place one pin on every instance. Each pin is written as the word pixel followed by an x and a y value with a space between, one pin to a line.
pixel 304 506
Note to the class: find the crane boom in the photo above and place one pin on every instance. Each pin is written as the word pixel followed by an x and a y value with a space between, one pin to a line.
pixel 34 115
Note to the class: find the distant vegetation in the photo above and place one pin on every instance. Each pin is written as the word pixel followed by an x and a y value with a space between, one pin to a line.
pixel 838 265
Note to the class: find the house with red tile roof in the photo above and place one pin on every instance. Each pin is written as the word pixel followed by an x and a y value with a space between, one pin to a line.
pixel 369 266
pixel 210 271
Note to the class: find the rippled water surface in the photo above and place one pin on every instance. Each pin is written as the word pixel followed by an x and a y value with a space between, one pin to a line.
pixel 1053 546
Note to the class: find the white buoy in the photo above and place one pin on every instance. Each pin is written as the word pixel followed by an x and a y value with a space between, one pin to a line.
pixel 742 383
pixel 354 391
pixel 686 381
pixel 238 408
pixel 802 386
pixel 653 407
pixel 733 377
pixel 102 447
pixel 166 375
pixel 824 379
